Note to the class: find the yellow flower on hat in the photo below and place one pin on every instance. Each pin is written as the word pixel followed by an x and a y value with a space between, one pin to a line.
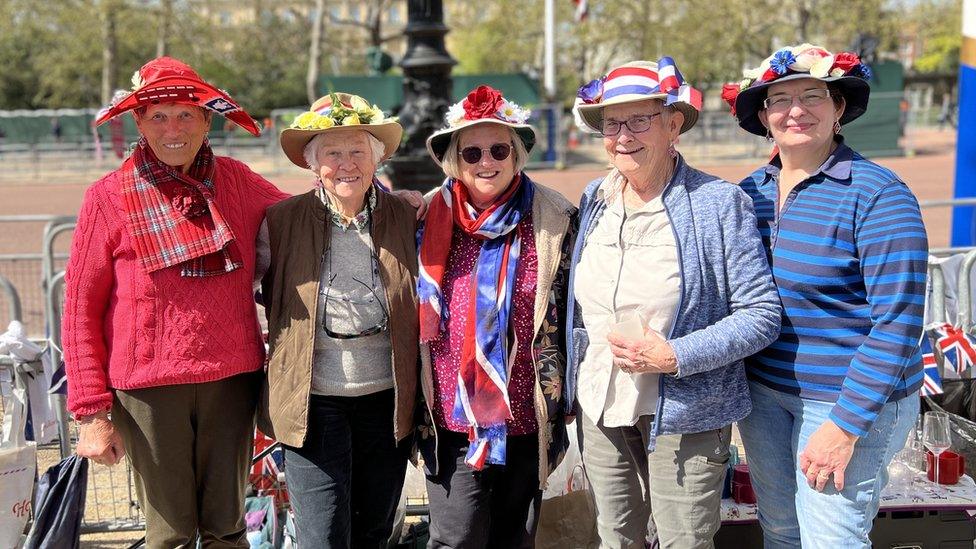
pixel 376 115
pixel 324 123
pixel 351 120
pixel 306 121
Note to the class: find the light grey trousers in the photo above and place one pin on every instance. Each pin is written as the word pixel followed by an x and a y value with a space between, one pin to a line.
pixel 680 482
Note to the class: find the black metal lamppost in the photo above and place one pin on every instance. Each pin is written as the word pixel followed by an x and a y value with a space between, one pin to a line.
pixel 426 95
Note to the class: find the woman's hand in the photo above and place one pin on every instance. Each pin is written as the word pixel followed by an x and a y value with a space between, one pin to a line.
pixel 415 199
pixel 98 439
pixel 650 355
pixel 828 451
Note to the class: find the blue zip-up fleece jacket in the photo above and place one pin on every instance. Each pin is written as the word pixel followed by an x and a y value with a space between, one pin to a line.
pixel 728 309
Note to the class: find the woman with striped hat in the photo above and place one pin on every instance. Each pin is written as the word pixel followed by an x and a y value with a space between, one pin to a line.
pixel 669 290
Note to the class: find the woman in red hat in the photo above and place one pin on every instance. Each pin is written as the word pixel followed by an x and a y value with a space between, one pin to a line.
pixel 161 340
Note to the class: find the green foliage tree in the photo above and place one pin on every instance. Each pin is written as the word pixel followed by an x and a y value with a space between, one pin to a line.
pixel 938 23
pixel 51 51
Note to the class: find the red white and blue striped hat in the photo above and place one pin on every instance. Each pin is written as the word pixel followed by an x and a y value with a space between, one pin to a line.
pixel 638 81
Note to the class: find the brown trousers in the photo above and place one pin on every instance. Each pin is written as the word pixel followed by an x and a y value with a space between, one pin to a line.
pixel 190 449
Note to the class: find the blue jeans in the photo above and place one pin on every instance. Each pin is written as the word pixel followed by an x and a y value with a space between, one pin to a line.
pixel 345 481
pixel 791 513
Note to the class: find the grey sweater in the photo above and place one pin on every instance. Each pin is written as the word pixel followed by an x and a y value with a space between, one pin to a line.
pixel 356 302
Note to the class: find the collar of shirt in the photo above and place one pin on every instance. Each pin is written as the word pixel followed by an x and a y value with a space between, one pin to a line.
pixel 837 166
pixel 360 221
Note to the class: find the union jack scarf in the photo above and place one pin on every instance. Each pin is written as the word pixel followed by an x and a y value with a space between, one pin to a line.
pixel 172 218
pixel 482 390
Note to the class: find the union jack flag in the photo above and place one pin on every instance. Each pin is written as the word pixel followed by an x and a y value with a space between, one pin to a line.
pixel 932 381
pixel 264 475
pixel 958 347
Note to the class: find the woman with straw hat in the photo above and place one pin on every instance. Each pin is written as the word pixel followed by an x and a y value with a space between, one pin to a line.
pixel 669 291
pixel 341 268
pixel 493 252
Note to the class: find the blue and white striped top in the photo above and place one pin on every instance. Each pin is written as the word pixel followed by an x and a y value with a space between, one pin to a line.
pixel 848 255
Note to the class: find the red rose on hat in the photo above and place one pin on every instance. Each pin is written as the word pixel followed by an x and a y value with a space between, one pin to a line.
pixel 770 74
pixel 482 102
pixel 846 61
pixel 729 93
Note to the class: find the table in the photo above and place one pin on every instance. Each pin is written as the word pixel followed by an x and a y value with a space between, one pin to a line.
pixel 927 495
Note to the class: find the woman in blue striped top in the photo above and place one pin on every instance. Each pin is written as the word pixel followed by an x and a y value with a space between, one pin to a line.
pixel 835 396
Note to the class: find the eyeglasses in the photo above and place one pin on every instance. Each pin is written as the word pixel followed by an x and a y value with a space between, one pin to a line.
pixel 498 151
pixel 384 322
pixel 636 124
pixel 783 102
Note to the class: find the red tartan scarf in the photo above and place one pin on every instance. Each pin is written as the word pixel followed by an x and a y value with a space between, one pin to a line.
pixel 172 218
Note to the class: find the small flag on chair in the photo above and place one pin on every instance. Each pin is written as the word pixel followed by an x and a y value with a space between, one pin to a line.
pixel 932 381
pixel 958 347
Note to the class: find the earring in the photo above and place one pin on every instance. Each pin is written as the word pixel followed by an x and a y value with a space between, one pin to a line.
pixel 672 151
pixel 836 126
pixel 769 136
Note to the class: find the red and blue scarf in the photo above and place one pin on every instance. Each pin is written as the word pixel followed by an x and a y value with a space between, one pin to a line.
pixel 481 399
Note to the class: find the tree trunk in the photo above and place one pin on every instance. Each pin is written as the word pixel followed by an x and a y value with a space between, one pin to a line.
pixel 165 23
pixel 804 14
pixel 315 52
pixel 109 49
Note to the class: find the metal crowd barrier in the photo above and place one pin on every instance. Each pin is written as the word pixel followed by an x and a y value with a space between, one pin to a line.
pixel 111 501
pixel 952 204
pixel 14 310
pixel 936 304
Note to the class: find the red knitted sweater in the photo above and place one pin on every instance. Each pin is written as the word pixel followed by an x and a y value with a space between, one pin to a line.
pixel 126 329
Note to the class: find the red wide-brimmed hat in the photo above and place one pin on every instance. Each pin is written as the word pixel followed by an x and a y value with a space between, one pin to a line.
pixel 168 80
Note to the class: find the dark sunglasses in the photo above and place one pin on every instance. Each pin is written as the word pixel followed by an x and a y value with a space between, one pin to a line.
pixel 498 151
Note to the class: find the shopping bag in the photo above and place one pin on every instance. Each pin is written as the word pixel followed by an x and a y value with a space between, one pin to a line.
pixel 18 464
pixel 568 514
pixel 59 506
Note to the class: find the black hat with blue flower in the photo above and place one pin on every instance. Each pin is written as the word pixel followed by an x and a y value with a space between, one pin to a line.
pixel 844 71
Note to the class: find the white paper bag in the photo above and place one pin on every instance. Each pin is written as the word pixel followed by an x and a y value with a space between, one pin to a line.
pixel 18 462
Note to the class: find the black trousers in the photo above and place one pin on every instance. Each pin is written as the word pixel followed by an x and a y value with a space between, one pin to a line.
pixel 495 507
pixel 345 481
